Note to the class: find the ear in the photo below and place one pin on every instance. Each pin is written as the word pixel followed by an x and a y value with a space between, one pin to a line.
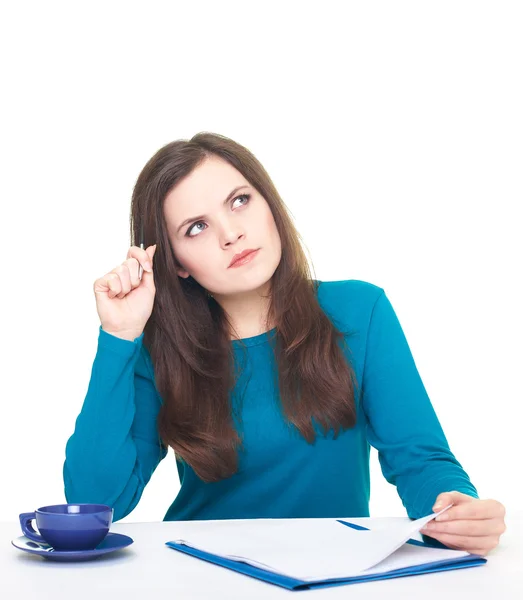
pixel 182 273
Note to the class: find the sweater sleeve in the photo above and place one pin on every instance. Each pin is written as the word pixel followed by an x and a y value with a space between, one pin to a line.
pixel 115 446
pixel 401 423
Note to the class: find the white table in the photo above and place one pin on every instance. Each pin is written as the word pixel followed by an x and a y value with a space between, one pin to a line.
pixel 149 567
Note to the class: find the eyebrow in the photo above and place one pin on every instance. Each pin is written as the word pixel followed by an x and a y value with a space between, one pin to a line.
pixel 201 217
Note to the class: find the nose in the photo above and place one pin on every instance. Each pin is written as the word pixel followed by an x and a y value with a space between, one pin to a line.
pixel 231 236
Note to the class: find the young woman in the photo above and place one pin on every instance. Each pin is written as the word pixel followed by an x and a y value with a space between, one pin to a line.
pixel 268 385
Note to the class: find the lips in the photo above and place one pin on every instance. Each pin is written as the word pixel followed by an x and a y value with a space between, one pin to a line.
pixel 241 255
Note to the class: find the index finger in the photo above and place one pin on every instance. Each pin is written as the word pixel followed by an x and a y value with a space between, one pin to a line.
pixel 483 509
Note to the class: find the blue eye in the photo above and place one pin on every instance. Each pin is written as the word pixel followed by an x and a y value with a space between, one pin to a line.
pixel 247 198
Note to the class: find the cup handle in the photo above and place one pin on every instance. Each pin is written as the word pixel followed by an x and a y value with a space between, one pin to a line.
pixel 26 522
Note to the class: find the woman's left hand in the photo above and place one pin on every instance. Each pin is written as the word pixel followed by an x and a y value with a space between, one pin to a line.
pixel 472 525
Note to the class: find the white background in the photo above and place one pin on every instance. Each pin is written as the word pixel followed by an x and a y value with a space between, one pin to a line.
pixel 393 131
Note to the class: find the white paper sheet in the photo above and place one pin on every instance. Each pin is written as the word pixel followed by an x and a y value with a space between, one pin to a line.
pixel 317 549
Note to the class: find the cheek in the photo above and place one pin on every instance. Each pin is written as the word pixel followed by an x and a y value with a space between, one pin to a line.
pixel 271 228
pixel 183 257
pixel 188 260
pixel 194 258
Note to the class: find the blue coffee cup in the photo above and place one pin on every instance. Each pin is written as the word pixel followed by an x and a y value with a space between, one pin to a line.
pixel 69 526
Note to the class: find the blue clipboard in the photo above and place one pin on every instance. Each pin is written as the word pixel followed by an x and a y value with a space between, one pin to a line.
pixel 289 583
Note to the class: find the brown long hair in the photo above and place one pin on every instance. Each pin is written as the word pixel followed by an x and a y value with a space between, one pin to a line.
pixel 188 338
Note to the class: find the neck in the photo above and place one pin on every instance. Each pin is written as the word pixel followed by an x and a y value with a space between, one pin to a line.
pixel 247 312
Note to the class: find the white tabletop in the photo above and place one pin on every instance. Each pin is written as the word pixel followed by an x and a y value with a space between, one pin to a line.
pixel 148 567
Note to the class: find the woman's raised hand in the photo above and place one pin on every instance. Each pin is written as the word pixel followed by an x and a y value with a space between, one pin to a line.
pixel 123 301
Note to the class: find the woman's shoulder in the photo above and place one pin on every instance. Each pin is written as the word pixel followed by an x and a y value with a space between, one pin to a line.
pixel 349 303
pixel 348 294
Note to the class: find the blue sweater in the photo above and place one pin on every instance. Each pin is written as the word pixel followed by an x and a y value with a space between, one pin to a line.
pixel 115 447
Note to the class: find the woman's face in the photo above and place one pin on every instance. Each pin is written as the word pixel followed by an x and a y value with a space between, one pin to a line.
pixel 205 246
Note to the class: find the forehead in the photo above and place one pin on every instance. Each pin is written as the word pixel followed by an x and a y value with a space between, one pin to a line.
pixel 207 186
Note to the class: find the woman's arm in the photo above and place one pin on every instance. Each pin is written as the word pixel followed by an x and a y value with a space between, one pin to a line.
pixel 402 425
pixel 115 447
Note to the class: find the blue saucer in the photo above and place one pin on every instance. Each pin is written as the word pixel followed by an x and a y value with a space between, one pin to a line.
pixel 111 542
